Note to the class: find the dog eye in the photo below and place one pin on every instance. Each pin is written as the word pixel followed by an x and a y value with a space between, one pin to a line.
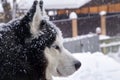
pixel 56 47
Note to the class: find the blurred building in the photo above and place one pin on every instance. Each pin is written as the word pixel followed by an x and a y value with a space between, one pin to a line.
pixel 88 15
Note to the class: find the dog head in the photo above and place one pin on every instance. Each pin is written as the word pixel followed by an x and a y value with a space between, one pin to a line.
pixel 47 37
pixel 60 60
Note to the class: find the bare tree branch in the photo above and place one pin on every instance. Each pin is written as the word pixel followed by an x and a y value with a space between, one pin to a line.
pixel 7 10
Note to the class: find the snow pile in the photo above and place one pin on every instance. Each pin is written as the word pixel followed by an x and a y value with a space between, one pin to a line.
pixel 73 15
pixel 110 44
pixel 95 67
pixel 116 55
pixel 102 13
pixel 103 37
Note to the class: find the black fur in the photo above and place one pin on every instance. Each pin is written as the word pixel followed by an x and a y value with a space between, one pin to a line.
pixel 21 59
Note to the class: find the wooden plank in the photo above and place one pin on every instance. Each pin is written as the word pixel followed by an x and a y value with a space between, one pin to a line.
pixel 103 8
pixel 117 7
pixel 111 8
pixel 94 9
pixel 74 28
pixel 84 10
pixel 97 9
pixel 103 25
pixel 78 11
pixel 61 12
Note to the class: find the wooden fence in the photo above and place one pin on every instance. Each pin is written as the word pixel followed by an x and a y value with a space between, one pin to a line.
pixel 93 9
pixel 89 24
pixel 110 45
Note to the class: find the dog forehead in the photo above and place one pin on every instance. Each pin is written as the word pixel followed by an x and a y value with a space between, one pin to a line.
pixel 48 26
pixel 59 38
pixel 58 32
pixel 51 28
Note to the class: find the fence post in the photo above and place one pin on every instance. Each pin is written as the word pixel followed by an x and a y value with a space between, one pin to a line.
pixel 73 16
pixel 103 22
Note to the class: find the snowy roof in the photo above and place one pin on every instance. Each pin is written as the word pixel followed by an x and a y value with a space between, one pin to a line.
pixel 50 4
pixel 55 4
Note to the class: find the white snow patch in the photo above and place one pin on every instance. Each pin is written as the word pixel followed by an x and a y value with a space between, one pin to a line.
pixel 103 37
pixel 110 44
pixel 102 13
pixel 116 55
pixel 98 30
pixel 73 15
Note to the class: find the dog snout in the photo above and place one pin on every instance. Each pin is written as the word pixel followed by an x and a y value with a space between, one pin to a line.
pixel 77 65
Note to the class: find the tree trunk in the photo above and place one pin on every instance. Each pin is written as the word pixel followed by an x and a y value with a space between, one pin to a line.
pixel 7 10
pixel 14 9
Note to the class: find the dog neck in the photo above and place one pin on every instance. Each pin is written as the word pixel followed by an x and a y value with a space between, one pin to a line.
pixel 48 75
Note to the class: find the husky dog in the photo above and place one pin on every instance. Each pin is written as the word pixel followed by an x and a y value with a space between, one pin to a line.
pixel 31 48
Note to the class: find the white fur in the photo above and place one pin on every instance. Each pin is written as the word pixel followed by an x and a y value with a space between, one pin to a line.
pixel 61 60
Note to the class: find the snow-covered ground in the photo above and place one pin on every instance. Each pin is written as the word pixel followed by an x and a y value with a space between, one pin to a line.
pixel 115 56
pixel 95 67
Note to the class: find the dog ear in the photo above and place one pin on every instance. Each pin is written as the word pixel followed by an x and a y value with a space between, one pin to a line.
pixel 41 5
pixel 44 14
pixel 37 18
pixel 29 15
pixel 39 15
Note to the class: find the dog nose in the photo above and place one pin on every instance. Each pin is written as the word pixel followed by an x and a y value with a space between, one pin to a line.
pixel 77 65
